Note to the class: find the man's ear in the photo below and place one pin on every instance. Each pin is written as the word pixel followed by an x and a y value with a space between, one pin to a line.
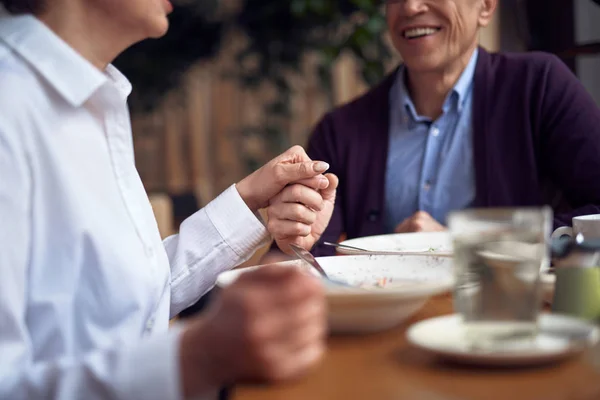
pixel 488 7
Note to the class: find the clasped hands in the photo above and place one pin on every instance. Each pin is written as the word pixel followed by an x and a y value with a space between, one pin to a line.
pixel 298 195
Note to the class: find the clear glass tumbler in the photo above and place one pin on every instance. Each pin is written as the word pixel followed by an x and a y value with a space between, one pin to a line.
pixel 498 256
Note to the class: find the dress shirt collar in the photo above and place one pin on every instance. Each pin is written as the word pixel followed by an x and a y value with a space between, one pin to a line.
pixel 71 75
pixel 401 96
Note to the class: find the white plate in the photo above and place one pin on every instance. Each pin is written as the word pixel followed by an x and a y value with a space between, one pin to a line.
pixel 426 241
pixel 360 311
pixel 437 242
pixel 559 337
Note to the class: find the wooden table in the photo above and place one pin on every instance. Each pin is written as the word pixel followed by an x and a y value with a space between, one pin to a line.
pixel 385 367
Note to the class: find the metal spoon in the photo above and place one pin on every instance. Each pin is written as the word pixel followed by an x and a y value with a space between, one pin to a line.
pixel 307 257
pixel 345 246
pixel 390 252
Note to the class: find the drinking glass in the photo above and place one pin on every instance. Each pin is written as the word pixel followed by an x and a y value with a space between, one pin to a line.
pixel 498 256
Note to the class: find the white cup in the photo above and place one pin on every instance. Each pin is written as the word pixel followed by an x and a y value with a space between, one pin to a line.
pixel 586 225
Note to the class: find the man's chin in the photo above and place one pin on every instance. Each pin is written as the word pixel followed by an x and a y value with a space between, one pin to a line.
pixel 422 64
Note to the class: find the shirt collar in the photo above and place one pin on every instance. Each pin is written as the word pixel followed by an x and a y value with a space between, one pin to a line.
pixel 465 82
pixel 71 75
pixel 401 97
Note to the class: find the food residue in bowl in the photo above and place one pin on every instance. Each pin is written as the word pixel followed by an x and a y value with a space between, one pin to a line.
pixel 382 282
pixel 379 283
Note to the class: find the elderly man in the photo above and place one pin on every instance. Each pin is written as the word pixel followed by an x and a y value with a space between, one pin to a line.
pixel 455 126
pixel 87 286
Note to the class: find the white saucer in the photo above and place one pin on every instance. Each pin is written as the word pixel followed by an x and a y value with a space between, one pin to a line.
pixel 559 337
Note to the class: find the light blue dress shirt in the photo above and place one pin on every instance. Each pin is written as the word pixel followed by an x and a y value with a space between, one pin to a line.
pixel 430 163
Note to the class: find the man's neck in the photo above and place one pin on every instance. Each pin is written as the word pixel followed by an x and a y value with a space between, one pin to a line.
pixel 82 28
pixel 428 90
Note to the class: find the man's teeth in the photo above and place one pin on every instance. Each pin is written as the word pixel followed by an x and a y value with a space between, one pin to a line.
pixel 418 32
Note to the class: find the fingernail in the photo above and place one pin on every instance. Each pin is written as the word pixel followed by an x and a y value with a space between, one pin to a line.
pixel 323 183
pixel 320 166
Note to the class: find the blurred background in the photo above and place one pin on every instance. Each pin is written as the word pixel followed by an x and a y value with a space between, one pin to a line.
pixel 236 82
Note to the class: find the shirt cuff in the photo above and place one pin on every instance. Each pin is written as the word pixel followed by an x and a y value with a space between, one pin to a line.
pixel 240 228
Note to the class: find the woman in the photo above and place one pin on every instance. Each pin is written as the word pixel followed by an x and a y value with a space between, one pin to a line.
pixel 455 127
pixel 87 286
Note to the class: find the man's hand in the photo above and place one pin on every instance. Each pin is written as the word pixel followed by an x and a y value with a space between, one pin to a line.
pixel 300 214
pixel 421 221
pixel 270 324
pixel 292 166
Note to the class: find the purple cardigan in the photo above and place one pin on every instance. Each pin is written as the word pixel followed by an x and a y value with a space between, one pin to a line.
pixel 536 141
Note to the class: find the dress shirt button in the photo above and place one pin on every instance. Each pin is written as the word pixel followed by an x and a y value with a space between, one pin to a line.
pixel 373 215
pixel 435 131
pixel 427 186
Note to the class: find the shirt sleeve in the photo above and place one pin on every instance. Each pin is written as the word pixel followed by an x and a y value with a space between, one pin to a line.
pixel 148 369
pixel 215 239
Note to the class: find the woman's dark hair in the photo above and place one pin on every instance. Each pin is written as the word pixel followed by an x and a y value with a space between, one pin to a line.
pixel 23 6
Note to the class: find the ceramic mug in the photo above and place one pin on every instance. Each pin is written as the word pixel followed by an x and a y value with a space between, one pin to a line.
pixel 586 225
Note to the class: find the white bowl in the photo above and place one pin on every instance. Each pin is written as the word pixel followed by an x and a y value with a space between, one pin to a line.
pixel 414 279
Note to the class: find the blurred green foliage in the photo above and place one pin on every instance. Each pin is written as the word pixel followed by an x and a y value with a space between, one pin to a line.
pixel 156 66
pixel 280 33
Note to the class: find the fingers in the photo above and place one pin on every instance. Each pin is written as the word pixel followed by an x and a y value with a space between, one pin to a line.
pixel 293 155
pixel 301 331
pixel 267 274
pixel 299 194
pixel 284 361
pixel 295 166
pixel 258 188
pixel 421 221
pixel 318 182
pixel 422 215
pixel 285 173
pixel 402 227
pixel 282 229
pixel 269 324
pixel 293 212
pixel 411 224
pixel 298 289
pixel 283 288
pixel 328 193
pixel 301 361
pixel 292 336
pixel 287 283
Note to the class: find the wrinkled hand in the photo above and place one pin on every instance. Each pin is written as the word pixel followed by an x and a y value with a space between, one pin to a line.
pixel 420 221
pixel 270 324
pixel 300 214
pixel 292 166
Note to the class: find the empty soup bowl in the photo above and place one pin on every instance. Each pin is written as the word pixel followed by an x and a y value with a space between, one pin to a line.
pixel 387 289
